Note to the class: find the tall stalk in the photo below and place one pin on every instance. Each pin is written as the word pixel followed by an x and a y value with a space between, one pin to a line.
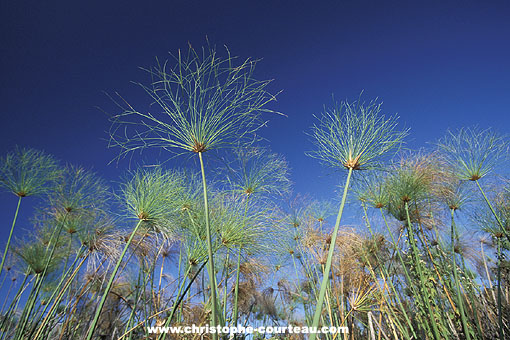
pixel 456 277
pixel 205 102
pixel 210 262
pixel 99 308
pixel 10 235
pixel 327 269
pixel 385 273
pixel 417 262
pixel 225 290
pixel 180 297
pixel 500 314
pixel 60 295
pixel 26 172
pixel 14 302
pixel 502 231
pixel 29 306
pixel 235 312
pixel 351 136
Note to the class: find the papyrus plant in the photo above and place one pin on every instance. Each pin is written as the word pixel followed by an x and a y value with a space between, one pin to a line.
pixel 409 186
pixel 26 172
pixel 452 192
pixel 351 136
pixel 256 174
pixel 148 197
pixel 201 102
pixel 473 153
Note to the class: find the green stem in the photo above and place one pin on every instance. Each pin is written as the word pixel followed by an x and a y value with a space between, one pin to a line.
pixel 298 284
pixel 384 271
pixel 14 302
pixel 225 293
pixel 58 298
pixel 65 273
pixel 210 263
pixel 325 277
pixel 236 290
pixel 457 284
pixel 110 282
pixel 10 235
pixel 133 309
pixel 417 261
pixel 7 297
pixel 27 310
pixel 235 313
pixel 500 315
pixel 145 280
pixel 180 298
pixel 397 249
pixel 503 229
pixel 68 252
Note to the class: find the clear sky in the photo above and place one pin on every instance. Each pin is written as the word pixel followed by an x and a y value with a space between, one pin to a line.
pixel 438 64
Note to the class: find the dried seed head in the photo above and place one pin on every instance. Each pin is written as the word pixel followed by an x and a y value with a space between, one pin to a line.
pixel 143 216
pixel 353 163
pixel 199 147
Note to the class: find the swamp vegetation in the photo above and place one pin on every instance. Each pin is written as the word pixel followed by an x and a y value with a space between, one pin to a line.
pixel 224 241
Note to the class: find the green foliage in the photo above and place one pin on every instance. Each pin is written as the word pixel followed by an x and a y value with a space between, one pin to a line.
pixel 372 188
pixel 473 152
pixel 28 172
pixel 256 171
pixel 36 255
pixel 266 264
pixel 202 102
pixel 152 196
pixel 78 191
pixel 354 135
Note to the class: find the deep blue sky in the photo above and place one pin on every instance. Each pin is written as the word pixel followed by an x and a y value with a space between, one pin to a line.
pixel 439 65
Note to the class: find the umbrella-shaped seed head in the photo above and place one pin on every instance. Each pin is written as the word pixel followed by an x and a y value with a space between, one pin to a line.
pixel 35 255
pixel 473 152
pixel 151 196
pixel 354 135
pixel 201 101
pixel 258 171
pixel 410 181
pixel 320 210
pixel 237 228
pixel 501 207
pixel 27 172
pixel 371 189
pixel 79 191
